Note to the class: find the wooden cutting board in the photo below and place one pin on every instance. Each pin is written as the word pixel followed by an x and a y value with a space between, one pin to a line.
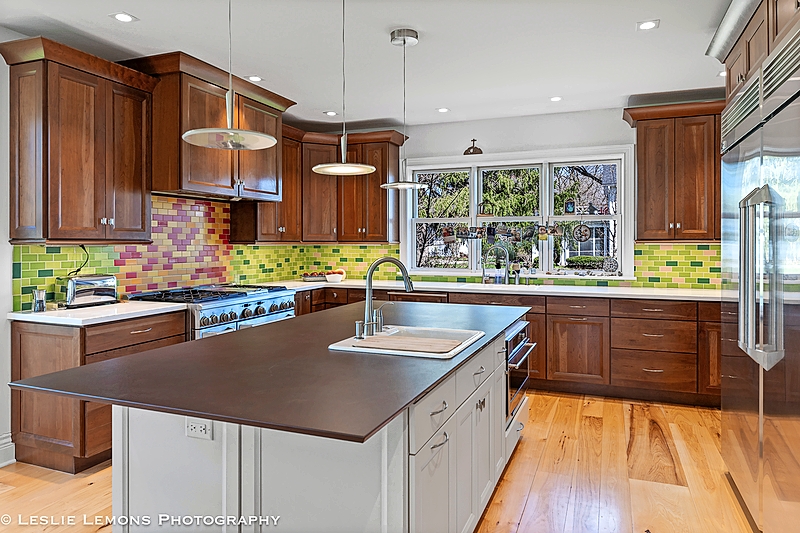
pixel 408 344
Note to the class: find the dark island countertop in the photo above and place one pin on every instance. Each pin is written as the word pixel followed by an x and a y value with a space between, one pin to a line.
pixel 282 375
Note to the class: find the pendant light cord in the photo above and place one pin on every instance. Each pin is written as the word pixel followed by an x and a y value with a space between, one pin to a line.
pixel 344 92
pixel 230 38
pixel 403 177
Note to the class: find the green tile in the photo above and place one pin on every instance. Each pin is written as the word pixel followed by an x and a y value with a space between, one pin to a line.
pixel 16 270
pixel 703 247
pixel 672 263
pixel 27 306
pixel 654 279
pixel 715 270
pixel 53 249
pixel 46 273
pixel 703 280
pixel 696 263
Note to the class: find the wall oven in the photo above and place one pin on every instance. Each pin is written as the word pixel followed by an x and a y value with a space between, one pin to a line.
pixel 518 350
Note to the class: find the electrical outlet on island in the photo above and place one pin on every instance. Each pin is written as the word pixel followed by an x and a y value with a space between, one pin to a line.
pixel 199 429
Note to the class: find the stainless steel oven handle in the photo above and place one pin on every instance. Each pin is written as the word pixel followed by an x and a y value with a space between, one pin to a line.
pixel 524 358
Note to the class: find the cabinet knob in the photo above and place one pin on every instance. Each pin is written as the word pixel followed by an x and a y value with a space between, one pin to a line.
pixel 110 221
pixel 671 225
pixel 678 225
pixel 104 221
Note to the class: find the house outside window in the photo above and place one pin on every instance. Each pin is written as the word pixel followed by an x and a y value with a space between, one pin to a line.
pixel 564 213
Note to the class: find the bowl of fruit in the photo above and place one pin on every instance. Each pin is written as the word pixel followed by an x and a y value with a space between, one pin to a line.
pixel 314 276
pixel 335 276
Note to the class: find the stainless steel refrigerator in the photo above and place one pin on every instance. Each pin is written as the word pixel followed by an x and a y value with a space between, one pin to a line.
pixel 761 298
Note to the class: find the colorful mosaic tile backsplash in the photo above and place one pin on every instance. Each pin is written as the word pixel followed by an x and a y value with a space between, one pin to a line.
pixel 190 247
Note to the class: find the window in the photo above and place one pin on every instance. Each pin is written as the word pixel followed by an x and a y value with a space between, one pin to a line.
pixel 561 215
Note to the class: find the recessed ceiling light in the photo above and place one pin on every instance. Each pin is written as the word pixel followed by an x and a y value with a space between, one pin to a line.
pixel 123 17
pixel 648 25
pixel 442 110
pixel 254 78
pixel 330 113
pixel 722 74
pixel 555 99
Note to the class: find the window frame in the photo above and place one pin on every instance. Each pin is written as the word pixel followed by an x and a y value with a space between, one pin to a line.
pixel 545 160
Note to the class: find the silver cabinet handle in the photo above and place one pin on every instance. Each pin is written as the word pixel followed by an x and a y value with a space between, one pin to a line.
pixel 335 295
pixel 480 371
pixel 653 370
pixel 521 426
pixel 104 221
pixel 141 331
pixel 446 438
pixel 671 225
pixel 678 225
pixel 577 307
pixel 440 411
pixel 481 404
pixel 653 310
pixel 658 335
pixel 578 319
pixel 111 221
pixel 501 352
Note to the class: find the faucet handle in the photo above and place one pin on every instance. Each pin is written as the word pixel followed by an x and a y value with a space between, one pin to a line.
pixel 377 316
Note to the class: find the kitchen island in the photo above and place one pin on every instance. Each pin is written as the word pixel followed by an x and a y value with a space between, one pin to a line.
pixel 281 426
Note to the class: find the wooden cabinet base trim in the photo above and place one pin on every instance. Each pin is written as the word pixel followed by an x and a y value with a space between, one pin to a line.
pixel 626 393
pixel 59 461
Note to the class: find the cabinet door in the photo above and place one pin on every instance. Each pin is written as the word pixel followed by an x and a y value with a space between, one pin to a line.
pixel 439 298
pixel 783 14
pixel 485 460
pixel 319 194
pixel 259 171
pixel 709 357
pixel 465 455
pixel 302 303
pixel 291 205
pixel 77 135
pixel 755 40
pixel 376 200
pixel 268 227
pixel 500 393
pixel 351 201
pixel 205 170
pixel 538 357
pixel 695 177
pixel 128 164
pixel 27 113
pixel 578 349
pixel 433 484
pixel 735 68
pixel 655 179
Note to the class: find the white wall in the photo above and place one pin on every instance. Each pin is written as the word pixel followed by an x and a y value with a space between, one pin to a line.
pixel 6 258
pixel 521 134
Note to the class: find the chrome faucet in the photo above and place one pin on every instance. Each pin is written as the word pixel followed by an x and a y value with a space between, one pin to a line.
pixel 369 320
pixel 486 255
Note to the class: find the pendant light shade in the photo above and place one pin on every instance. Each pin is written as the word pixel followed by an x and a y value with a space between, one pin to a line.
pixel 344 168
pixel 229 138
pixel 404 37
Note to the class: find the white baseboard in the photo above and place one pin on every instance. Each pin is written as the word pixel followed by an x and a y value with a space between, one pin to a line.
pixel 7 451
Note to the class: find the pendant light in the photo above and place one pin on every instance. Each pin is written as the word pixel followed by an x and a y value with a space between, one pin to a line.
pixel 404 37
pixel 229 138
pixel 344 168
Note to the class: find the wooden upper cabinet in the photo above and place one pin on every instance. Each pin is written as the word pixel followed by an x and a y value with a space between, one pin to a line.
pixel 191 95
pixel 678 171
pixel 128 163
pixel 782 15
pixel 291 206
pixel 655 178
pixel 696 177
pixel 80 146
pixel 735 69
pixel 755 43
pixel 259 171
pixel 351 191
pixel 755 40
pixel 320 197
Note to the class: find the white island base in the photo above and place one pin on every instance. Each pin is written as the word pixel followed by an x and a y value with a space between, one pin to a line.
pixel 432 469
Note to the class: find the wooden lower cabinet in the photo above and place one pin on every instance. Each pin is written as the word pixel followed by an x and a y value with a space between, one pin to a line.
pixel 302 303
pixel 537 368
pixel 709 357
pixel 578 349
pixel 63 433
pixel 431 297
pixel 654 370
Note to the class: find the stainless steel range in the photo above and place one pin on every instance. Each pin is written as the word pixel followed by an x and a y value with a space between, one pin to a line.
pixel 219 309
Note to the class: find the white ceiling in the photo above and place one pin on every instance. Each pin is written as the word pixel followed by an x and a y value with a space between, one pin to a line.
pixel 480 58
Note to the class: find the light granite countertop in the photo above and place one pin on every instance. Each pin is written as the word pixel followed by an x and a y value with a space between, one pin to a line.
pixel 87 316
pixel 698 295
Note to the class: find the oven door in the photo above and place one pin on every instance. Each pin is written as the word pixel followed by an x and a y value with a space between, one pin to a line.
pixel 213 331
pixel 261 320
pixel 519 349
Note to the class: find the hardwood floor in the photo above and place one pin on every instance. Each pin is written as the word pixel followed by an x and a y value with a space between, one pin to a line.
pixel 584 464
pixel 601 465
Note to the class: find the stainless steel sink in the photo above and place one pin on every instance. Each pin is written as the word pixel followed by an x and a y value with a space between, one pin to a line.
pixel 464 336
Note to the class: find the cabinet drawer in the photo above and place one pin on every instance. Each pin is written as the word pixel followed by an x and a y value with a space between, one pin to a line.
pixel 577 306
pixel 654 335
pixel 658 309
pixel 654 370
pixel 536 303
pixel 431 412
pixel 359 295
pixel 136 348
pixel 514 430
pixel 136 331
pixel 317 296
pixel 474 372
pixel 709 311
pixel 336 296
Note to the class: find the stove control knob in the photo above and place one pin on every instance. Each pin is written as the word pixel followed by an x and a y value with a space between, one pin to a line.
pixel 214 319
pixel 247 313
pixel 225 317
pixel 284 305
pixel 273 308
pixel 291 304
pixel 204 322
pixel 260 310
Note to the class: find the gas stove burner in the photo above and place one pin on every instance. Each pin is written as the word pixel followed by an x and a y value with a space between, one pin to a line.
pixel 187 295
